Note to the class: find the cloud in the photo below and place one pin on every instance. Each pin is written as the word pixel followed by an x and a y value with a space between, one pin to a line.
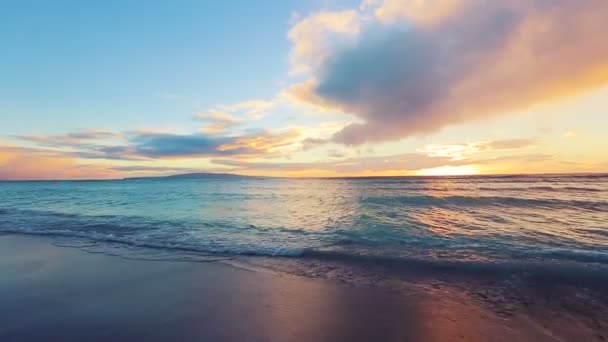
pixel 87 144
pixel 509 144
pixel 304 94
pixel 191 145
pixel 199 145
pixel 313 36
pixel 518 158
pixel 144 169
pixel 93 134
pixel 20 163
pixel 234 113
pixel 421 12
pixel 309 143
pixel 266 142
pixel 409 71
pixel 254 109
pixel 398 164
pixel 218 122
pixel 149 145
pixel 143 145
pixel 71 138
pixel 334 153
pixel 116 152
pixel 401 162
pixel 465 150
pixel 23 163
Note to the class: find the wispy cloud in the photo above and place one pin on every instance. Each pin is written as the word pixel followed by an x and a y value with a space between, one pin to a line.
pixel 255 109
pixel 86 144
pixel 153 169
pixel 21 163
pixel 72 138
pixel 397 164
pixel 465 150
pixel 508 144
pixel 140 145
pixel 401 162
pixel 240 111
pixel 218 122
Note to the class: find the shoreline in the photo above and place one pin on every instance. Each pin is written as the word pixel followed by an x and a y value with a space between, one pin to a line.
pixel 584 271
pixel 50 292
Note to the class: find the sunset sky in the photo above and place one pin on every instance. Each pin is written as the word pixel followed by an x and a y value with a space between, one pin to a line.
pixel 113 89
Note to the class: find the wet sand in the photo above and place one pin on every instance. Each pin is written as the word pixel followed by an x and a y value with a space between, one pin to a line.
pixel 64 294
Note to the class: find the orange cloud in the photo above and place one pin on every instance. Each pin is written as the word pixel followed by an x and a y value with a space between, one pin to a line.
pixel 264 143
pixel 18 163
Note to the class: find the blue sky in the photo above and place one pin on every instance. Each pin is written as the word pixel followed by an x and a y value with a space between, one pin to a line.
pixel 126 63
pixel 320 87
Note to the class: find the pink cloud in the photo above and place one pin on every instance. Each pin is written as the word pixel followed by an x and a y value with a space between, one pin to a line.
pixel 413 75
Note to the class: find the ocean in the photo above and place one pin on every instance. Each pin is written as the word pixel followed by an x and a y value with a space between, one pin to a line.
pixel 556 224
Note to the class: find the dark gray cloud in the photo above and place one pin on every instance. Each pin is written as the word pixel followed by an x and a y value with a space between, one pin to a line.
pixel 486 58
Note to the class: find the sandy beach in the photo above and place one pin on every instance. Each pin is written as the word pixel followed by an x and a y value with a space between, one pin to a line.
pixel 64 294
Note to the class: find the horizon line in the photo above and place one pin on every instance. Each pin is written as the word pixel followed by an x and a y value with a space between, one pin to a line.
pixel 310 177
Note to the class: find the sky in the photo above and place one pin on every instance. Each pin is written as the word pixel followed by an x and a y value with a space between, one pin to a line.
pixel 117 89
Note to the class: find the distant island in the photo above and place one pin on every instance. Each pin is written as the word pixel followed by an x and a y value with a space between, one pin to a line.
pixel 194 175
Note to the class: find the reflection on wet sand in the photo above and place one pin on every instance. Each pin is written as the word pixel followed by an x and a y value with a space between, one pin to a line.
pixel 75 296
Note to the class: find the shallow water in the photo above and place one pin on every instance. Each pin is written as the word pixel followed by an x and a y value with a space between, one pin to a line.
pixel 467 221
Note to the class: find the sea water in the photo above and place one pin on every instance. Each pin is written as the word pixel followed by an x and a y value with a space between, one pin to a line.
pixel 472 220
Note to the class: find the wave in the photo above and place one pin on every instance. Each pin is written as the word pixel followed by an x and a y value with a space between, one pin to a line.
pixel 522 188
pixel 557 264
pixel 542 258
pixel 258 249
pixel 122 225
pixel 450 188
pixel 487 200
pixel 472 179
pixel 229 238
pixel 555 270
pixel 550 272
pixel 540 188
pixel 245 250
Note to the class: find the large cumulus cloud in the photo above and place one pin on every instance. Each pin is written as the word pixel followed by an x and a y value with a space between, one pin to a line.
pixel 403 76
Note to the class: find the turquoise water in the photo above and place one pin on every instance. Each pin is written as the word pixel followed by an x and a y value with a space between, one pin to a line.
pixel 490 220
